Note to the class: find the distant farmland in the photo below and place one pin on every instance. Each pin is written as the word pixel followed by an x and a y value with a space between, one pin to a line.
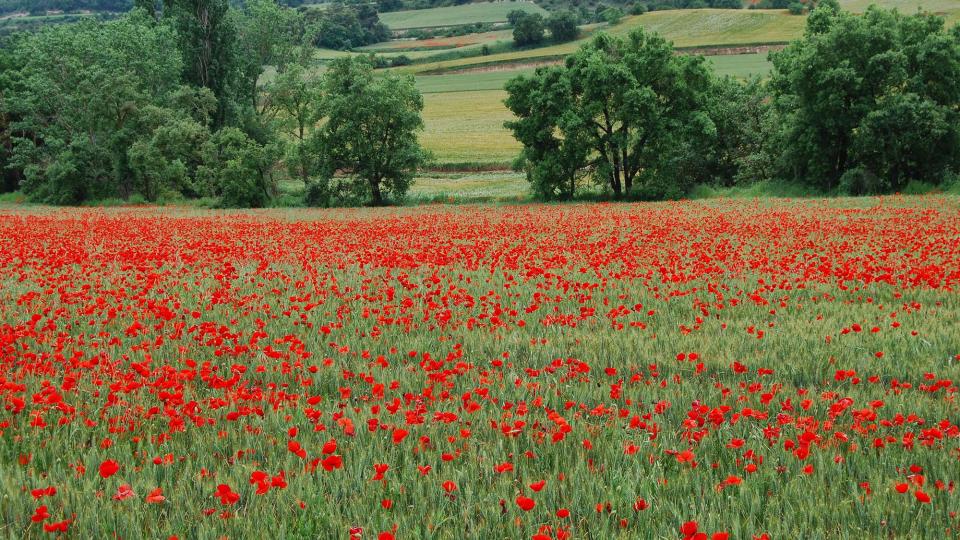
pixel 486 12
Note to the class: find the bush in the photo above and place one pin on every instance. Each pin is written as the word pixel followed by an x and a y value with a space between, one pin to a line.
pixel 402 60
pixel 239 169
pixel 611 16
pixel 562 26
pixel 528 29
pixel 860 181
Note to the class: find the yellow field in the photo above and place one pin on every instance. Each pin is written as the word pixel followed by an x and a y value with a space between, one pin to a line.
pixel 468 127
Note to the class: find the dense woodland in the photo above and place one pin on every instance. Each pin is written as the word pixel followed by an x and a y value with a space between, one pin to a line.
pixel 170 102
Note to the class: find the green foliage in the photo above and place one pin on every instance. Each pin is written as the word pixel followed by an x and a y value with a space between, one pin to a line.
pixel 619 108
pixel 267 35
pixel 165 160
pixel 78 98
pixel 207 38
pixel 528 28
pixel 9 65
pixel 611 15
pixel 370 134
pixel 296 99
pixel 343 26
pixel 562 26
pixel 869 102
pixel 240 168
pixel 555 143
pixel 741 150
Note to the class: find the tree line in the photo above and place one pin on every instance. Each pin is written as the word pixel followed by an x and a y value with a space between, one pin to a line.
pixel 171 101
pixel 860 104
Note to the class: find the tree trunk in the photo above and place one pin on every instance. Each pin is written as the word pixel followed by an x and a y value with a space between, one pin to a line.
pixel 377 199
pixel 627 175
pixel 615 183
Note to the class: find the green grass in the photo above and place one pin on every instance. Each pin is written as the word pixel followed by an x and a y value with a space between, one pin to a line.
pixel 468 127
pixel 741 65
pixel 483 12
pixel 469 187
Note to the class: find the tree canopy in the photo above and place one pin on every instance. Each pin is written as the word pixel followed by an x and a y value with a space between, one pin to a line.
pixel 869 102
pixel 609 112
pixel 172 102
pixel 370 134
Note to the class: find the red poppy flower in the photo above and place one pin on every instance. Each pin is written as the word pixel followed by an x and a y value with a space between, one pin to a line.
pixel 108 468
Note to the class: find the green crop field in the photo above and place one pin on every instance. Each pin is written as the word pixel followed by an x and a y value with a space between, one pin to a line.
pixel 467 127
pixel 741 65
pixel 905 6
pixel 405 45
pixel 485 12
pixel 459 187
pixel 685 28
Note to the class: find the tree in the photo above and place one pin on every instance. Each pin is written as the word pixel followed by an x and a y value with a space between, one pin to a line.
pixel 562 26
pixel 149 6
pixel 514 16
pixel 77 97
pixel 267 35
pixel 555 143
pixel 875 96
pixel 166 156
pixel 207 39
pixel 611 15
pixel 528 29
pixel 371 127
pixel 345 26
pixel 747 135
pixel 296 98
pixel 630 99
pixel 239 168
pixel 9 67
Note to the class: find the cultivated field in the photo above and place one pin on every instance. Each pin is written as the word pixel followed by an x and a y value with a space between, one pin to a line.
pixel 685 28
pixel 766 368
pixel 480 12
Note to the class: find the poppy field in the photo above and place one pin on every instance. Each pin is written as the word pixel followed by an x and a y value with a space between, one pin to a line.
pixel 684 370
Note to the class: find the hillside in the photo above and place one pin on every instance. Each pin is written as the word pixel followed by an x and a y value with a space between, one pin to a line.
pixel 481 12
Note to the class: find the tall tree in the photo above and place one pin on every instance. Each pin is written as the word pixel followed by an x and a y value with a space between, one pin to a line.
pixel 77 97
pixel 268 34
pixel 296 98
pixel 562 26
pixel 371 128
pixel 632 99
pixel 528 28
pixel 555 144
pixel 207 38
